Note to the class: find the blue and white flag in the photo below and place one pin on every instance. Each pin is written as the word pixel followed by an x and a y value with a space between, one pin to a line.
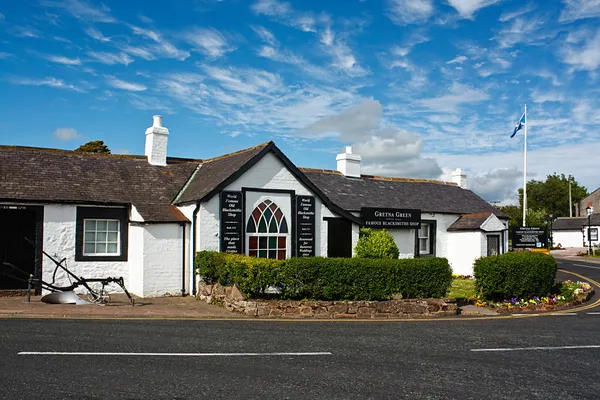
pixel 519 126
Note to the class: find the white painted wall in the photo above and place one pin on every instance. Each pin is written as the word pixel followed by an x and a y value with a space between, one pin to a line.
pixel 163 260
pixel 135 258
pixel 463 249
pixel 405 240
pixel 492 224
pixel 569 238
pixel 59 242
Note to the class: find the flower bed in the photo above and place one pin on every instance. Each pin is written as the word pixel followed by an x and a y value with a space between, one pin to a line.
pixel 571 293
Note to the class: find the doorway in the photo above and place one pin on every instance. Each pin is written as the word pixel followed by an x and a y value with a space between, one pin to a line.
pixel 20 245
pixel 339 238
pixel 493 245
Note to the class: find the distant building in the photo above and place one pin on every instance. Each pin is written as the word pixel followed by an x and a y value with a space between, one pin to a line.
pixel 573 232
pixel 592 200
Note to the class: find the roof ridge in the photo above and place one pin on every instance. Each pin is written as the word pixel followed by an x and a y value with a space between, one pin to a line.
pixel 381 178
pixel 265 144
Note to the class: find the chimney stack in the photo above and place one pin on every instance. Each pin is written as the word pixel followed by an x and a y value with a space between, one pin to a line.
pixel 348 163
pixel 156 142
pixel 460 178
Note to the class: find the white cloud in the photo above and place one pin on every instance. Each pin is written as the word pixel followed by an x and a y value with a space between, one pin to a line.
pixel 459 94
pixel 64 60
pixel 66 134
pixel 507 16
pixel 284 13
pixel 4 55
pixel 353 124
pixel 145 19
pixel 457 60
pixel 522 30
pixel 110 58
pixel 96 34
pixel 24 32
pixel 83 10
pixel 265 35
pixel 586 57
pixel 209 42
pixel 150 103
pixel 579 9
pixel 497 185
pixel 466 8
pixel 130 86
pixel 160 48
pixel 49 81
pixel 404 12
pixel 547 96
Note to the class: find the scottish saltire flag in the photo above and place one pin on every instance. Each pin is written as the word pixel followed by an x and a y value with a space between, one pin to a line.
pixel 519 126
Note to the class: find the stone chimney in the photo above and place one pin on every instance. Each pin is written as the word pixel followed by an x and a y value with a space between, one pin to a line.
pixel 460 178
pixel 156 142
pixel 348 163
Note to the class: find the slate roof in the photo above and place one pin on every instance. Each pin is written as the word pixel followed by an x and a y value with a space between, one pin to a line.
pixel 62 176
pixel 215 171
pixel 469 222
pixel 575 223
pixel 372 191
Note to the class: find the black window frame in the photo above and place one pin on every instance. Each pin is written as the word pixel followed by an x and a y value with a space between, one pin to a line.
pixel 432 238
pixel 121 214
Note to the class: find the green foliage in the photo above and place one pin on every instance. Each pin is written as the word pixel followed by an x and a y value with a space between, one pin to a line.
pixel 96 146
pixel 377 244
pixel 515 274
pixel 552 195
pixel 322 278
pixel 515 215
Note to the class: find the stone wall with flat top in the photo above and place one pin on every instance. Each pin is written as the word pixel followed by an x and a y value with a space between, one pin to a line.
pixel 231 298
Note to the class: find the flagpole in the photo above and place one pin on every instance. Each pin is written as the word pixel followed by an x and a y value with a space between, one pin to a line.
pixel 525 171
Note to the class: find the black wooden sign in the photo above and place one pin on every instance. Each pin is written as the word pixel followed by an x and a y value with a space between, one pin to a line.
pixel 390 218
pixel 232 224
pixel 305 226
pixel 530 237
pixel 593 234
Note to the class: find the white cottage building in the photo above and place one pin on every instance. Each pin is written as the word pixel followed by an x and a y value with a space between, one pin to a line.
pixel 144 217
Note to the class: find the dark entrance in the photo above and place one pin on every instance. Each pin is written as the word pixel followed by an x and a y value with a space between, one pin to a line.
pixel 18 224
pixel 493 245
pixel 339 238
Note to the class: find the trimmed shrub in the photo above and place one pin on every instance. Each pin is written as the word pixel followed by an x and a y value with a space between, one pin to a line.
pixel 376 244
pixel 515 274
pixel 208 263
pixel 320 278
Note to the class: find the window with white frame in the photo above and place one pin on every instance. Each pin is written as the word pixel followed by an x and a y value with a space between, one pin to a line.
pixel 424 237
pixel 101 237
pixel 267 232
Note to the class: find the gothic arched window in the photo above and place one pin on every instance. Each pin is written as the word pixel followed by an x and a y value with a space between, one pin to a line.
pixel 267 231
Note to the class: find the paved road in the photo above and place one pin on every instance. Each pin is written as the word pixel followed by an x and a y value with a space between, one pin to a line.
pixel 376 360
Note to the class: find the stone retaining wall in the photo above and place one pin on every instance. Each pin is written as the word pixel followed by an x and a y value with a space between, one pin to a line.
pixel 231 298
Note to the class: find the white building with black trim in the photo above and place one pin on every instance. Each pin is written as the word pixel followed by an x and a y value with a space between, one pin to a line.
pixel 144 217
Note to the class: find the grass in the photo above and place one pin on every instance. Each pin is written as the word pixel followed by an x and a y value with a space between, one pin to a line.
pixel 462 289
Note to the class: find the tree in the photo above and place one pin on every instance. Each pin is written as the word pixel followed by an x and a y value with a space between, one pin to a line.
pixel 376 244
pixel 96 146
pixel 552 195
pixel 515 216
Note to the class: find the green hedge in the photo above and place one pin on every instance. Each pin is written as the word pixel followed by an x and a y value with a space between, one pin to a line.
pixel 321 278
pixel 515 274
pixel 376 244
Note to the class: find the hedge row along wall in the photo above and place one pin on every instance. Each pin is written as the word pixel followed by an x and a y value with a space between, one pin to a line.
pixel 320 278
pixel 515 274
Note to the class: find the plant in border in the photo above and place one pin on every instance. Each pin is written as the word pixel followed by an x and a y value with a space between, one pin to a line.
pixel 376 244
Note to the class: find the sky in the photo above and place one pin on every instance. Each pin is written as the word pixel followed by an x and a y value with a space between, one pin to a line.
pixel 417 87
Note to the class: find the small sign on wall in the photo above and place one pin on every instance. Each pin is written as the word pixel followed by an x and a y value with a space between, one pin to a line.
pixel 232 223
pixel 305 226
pixel 593 234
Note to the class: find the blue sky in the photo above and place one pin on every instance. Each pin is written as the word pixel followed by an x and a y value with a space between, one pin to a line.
pixel 418 87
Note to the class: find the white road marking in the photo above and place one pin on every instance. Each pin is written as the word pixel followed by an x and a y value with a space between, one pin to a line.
pixel 523 315
pixel 586 266
pixel 593 313
pixel 82 353
pixel 569 313
pixel 540 348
